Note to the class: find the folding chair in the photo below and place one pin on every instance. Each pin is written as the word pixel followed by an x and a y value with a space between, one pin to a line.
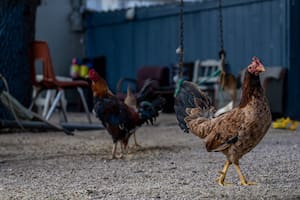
pixel 49 81
pixel 206 75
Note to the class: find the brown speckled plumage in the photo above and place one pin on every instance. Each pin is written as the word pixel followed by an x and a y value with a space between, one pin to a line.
pixel 236 132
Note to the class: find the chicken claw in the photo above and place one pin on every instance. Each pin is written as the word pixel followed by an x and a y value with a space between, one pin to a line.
pixel 243 180
pixel 223 173
pixel 117 156
pixel 114 149
pixel 247 183
pixel 120 156
pixel 222 183
pixel 137 146
pixel 221 178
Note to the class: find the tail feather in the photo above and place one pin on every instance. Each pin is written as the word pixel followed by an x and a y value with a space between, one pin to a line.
pixel 147 92
pixel 190 101
pixel 150 110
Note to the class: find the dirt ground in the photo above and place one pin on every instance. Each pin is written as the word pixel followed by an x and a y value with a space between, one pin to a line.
pixel 169 165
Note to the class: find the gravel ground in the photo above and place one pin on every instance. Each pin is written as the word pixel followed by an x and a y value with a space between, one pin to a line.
pixel 169 165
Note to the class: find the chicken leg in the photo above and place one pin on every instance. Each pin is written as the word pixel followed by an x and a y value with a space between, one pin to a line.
pixel 113 153
pixel 124 148
pixel 242 177
pixel 223 173
pixel 136 145
pixel 114 150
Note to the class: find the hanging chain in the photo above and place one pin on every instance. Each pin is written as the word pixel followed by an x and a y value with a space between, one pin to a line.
pixel 179 50
pixel 222 51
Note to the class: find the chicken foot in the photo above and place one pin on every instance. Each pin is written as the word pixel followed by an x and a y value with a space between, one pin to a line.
pixel 113 153
pixel 124 148
pixel 243 180
pixel 114 150
pixel 223 173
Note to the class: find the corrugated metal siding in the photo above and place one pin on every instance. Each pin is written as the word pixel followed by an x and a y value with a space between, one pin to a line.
pixel 251 27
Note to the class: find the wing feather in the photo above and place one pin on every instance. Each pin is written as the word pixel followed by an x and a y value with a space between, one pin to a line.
pixel 224 130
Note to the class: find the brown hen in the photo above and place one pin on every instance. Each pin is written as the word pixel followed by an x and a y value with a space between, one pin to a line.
pixel 131 101
pixel 234 133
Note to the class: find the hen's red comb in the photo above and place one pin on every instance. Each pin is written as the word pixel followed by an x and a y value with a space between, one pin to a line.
pixel 256 61
pixel 256 66
pixel 93 75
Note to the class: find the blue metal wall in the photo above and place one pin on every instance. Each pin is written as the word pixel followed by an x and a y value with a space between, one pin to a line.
pixel 251 27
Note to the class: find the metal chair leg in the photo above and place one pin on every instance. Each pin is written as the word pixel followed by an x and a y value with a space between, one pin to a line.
pixel 79 89
pixel 54 104
pixel 36 93
pixel 49 96
pixel 63 106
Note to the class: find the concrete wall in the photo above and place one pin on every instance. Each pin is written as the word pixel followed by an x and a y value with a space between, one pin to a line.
pixel 53 26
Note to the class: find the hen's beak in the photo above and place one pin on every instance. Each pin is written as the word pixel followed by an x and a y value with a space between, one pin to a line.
pixel 260 68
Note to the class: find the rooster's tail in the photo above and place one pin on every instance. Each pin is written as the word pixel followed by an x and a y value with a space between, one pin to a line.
pixel 147 92
pixel 190 102
pixel 150 110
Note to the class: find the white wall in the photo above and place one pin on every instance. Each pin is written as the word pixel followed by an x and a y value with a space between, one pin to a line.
pixel 107 5
pixel 52 25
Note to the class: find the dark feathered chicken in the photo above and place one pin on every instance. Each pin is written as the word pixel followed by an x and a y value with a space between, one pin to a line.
pixel 234 133
pixel 119 119
pixel 149 108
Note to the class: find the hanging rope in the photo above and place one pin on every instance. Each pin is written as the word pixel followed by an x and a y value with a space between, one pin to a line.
pixel 180 49
pixel 222 51
pixel 228 81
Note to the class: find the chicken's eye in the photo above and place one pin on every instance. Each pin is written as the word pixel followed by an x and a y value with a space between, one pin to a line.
pixel 251 68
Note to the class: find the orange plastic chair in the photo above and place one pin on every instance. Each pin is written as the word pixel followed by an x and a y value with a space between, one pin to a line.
pixel 49 81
